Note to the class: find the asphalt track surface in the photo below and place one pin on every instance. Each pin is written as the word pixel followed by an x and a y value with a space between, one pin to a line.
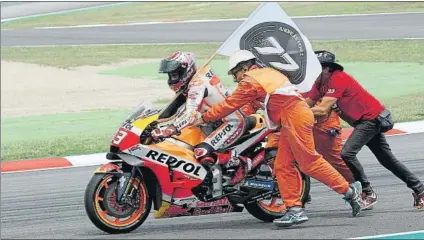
pixel 389 26
pixel 24 9
pixel 49 204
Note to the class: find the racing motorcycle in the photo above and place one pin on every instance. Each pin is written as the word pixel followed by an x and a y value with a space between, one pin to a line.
pixel 143 173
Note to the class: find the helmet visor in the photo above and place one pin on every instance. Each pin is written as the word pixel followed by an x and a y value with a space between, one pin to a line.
pixel 167 66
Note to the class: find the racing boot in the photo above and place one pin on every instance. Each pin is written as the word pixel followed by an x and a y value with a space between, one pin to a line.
pixel 232 159
pixel 240 173
pixel 369 197
pixel 225 157
pixel 206 188
pixel 418 201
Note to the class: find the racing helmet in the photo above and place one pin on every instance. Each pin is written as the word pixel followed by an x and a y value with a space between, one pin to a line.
pixel 180 67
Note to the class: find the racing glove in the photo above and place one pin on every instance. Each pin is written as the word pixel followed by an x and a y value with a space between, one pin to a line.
pixel 159 134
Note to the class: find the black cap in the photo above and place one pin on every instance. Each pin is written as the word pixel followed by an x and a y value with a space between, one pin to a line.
pixel 327 59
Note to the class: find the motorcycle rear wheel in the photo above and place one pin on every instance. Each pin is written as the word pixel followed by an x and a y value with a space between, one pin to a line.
pixel 268 212
pixel 108 215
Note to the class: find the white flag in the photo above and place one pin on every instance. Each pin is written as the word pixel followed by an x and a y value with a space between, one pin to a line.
pixel 272 36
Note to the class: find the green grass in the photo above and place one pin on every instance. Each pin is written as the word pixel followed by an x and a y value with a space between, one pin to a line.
pixel 74 56
pixel 171 11
pixel 53 126
pixel 58 135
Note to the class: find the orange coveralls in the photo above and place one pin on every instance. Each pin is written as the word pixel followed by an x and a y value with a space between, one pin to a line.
pixel 296 122
pixel 328 146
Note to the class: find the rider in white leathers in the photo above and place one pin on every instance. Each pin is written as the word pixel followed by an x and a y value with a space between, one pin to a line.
pixel 199 95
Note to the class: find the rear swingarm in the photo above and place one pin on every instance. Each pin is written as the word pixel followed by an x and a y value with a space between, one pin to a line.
pixel 263 196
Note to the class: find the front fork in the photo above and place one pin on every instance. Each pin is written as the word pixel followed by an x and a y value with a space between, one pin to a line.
pixel 124 185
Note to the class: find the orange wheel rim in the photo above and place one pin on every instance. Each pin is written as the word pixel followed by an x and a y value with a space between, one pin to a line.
pixel 273 206
pixel 115 221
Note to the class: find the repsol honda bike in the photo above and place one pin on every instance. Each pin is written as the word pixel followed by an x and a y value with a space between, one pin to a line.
pixel 165 175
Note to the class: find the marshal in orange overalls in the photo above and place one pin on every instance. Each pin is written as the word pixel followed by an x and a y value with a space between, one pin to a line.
pixel 327 145
pixel 287 110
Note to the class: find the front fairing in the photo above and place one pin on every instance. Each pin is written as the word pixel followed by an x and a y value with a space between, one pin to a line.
pixel 131 129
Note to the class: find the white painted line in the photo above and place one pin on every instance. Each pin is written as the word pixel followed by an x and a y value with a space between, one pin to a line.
pixel 373 39
pixel 87 160
pixel 389 235
pixel 76 26
pixel 212 20
pixel 62 12
pixel 95 159
pixel 144 23
pixel 151 44
pixel 358 15
pixel 112 44
pixel 411 127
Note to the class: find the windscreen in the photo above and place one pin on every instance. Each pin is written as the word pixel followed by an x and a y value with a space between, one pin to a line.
pixel 145 109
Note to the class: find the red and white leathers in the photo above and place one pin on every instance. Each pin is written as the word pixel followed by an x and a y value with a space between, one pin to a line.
pixel 202 93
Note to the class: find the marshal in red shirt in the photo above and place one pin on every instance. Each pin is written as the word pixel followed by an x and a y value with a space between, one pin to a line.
pixel 353 100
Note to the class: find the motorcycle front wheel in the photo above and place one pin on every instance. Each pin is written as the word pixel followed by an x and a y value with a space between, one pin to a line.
pixel 110 216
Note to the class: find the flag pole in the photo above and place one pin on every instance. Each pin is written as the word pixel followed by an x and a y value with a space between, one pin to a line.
pixel 209 60
pixel 204 65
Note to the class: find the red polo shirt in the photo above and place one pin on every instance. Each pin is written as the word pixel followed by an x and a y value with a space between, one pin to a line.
pixel 353 100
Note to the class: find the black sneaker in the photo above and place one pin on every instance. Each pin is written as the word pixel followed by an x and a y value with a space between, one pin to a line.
pixel 370 199
pixel 291 217
pixel 355 199
pixel 309 199
pixel 418 201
